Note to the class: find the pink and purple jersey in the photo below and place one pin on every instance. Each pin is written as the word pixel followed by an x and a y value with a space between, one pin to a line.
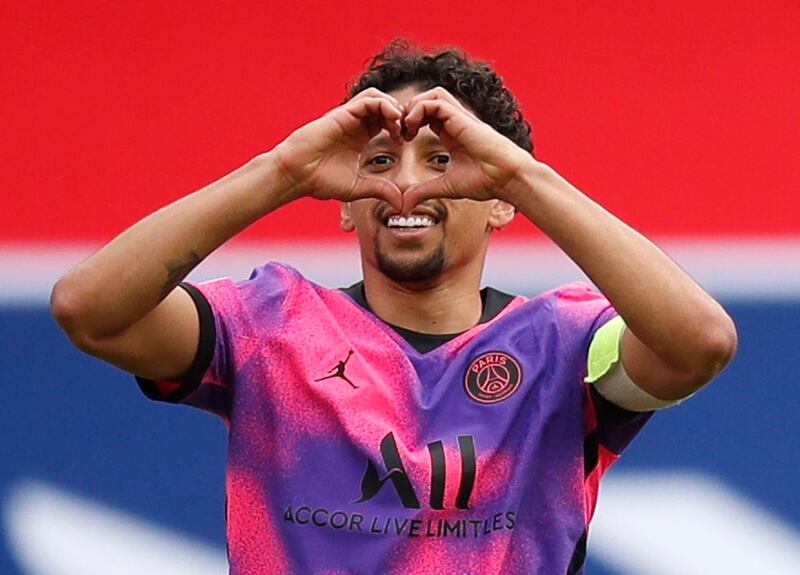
pixel 350 451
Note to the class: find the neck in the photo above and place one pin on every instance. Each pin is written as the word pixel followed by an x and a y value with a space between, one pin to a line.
pixel 448 305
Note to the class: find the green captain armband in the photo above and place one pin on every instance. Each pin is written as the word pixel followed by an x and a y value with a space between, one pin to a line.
pixel 604 349
pixel 606 372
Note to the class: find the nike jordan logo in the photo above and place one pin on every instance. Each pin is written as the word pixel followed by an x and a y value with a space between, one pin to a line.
pixel 338 371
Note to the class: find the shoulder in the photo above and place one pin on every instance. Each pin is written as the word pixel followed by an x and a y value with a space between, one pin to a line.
pixel 569 315
pixel 573 302
pixel 579 303
pixel 573 293
pixel 576 304
pixel 265 281
pixel 264 292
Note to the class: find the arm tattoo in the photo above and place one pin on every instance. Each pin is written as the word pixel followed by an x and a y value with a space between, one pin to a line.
pixel 177 270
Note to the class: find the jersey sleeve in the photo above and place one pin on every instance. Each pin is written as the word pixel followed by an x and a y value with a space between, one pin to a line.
pixel 234 318
pixel 615 426
pixel 582 310
pixel 207 384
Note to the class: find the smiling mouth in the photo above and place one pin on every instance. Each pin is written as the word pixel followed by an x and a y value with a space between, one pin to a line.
pixel 410 222
pixel 421 217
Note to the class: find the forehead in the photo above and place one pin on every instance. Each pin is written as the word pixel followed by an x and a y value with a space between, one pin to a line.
pixel 403 95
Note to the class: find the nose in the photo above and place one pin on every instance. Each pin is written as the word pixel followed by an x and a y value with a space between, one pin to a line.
pixel 407 171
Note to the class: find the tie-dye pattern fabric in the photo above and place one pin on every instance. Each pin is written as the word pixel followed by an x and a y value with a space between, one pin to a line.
pixel 350 452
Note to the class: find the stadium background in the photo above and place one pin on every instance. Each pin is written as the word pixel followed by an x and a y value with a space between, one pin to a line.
pixel 681 119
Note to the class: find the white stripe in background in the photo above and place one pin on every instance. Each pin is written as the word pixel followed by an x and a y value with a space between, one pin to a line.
pixel 732 268
pixel 53 532
pixel 687 524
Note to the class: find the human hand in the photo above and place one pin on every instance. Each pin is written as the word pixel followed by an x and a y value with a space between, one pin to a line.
pixel 483 165
pixel 321 159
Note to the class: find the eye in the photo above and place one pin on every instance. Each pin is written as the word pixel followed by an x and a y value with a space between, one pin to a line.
pixel 380 160
pixel 441 159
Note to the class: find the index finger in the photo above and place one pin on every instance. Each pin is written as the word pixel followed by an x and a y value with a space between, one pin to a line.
pixel 441 115
pixel 376 112
pixel 375 93
pixel 440 93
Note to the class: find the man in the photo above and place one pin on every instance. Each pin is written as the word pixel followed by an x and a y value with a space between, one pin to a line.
pixel 411 423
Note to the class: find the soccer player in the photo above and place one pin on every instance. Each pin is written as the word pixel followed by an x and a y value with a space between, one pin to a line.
pixel 411 423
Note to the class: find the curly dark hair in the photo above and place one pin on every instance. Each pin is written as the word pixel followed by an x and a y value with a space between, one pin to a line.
pixel 473 82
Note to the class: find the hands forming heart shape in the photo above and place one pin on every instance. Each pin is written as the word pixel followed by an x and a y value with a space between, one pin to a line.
pixel 326 158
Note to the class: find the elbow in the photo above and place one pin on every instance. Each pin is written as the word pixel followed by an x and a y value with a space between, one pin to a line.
pixel 69 310
pixel 62 305
pixel 717 346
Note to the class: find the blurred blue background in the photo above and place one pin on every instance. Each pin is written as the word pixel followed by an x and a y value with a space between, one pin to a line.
pixel 80 427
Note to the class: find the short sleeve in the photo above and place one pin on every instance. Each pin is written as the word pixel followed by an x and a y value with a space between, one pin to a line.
pixel 207 384
pixel 615 426
pixel 235 318
pixel 582 311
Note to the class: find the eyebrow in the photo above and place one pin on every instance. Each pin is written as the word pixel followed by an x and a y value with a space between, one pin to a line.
pixel 384 141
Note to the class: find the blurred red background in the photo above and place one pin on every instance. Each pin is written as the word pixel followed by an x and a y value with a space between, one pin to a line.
pixel 682 118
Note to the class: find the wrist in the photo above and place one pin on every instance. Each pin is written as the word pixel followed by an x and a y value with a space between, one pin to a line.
pixel 278 187
pixel 523 186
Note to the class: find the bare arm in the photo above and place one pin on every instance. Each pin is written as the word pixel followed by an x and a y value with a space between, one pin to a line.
pixel 678 336
pixel 120 304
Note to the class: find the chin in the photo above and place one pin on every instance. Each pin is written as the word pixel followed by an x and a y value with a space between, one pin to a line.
pixel 417 270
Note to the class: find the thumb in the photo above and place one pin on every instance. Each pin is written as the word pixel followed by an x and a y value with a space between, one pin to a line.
pixel 416 194
pixel 377 188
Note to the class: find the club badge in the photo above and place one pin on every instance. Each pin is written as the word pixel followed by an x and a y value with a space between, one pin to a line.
pixel 492 377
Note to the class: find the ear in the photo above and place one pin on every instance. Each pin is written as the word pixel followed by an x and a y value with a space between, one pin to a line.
pixel 346 217
pixel 501 214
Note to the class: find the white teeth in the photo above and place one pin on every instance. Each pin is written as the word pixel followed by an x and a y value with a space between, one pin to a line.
pixel 410 222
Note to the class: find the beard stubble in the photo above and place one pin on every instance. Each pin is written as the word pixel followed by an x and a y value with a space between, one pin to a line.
pixel 418 271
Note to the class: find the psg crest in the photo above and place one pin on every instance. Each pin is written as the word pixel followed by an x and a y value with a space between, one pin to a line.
pixel 492 377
